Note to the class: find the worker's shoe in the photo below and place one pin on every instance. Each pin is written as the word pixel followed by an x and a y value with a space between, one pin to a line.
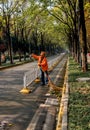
pixel 42 84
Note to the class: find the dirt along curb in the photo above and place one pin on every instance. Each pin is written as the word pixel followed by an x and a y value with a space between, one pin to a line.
pixel 62 116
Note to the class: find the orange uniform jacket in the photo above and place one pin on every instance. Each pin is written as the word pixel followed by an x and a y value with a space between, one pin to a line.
pixel 44 64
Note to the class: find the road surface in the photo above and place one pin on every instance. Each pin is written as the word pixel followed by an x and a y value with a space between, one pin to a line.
pixel 19 109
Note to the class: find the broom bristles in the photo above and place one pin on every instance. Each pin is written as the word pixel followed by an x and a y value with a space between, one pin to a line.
pixel 53 86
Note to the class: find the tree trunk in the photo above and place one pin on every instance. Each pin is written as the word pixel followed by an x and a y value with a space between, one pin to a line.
pixel 84 41
pixel 35 39
pixel 9 43
pixel 42 42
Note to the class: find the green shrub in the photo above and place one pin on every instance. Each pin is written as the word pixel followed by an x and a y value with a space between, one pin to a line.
pixel 79 99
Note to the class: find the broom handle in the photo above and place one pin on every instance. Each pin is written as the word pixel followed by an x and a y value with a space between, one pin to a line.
pixel 48 76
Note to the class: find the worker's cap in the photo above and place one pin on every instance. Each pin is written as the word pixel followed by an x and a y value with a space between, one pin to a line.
pixel 42 53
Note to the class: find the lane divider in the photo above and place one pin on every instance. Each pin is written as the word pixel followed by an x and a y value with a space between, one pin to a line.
pixel 62 116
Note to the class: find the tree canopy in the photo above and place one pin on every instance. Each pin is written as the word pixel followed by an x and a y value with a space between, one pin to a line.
pixel 28 26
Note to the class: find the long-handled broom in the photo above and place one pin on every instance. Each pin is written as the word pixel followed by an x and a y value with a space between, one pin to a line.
pixel 52 85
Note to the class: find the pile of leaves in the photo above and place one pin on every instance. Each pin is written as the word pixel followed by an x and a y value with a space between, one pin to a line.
pixel 79 98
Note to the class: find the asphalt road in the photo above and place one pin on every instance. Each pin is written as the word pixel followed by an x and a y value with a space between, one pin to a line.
pixel 14 76
pixel 16 109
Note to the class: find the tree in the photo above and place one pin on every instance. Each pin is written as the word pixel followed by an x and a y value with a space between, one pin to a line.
pixel 66 13
pixel 84 41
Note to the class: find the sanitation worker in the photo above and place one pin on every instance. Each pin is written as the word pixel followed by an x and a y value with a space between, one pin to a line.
pixel 43 65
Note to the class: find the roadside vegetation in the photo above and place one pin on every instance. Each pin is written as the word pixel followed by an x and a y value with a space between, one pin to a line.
pixel 54 26
pixel 79 98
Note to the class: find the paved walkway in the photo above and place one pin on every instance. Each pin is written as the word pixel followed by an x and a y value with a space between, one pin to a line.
pixel 19 109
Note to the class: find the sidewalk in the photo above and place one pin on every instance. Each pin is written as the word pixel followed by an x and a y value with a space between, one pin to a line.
pixel 21 111
pixel 8 65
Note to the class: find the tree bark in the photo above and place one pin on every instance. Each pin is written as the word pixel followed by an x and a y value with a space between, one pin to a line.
pixel 84 41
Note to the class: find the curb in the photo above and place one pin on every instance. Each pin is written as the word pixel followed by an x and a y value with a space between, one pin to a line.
pixel 62 116
pixel 13 65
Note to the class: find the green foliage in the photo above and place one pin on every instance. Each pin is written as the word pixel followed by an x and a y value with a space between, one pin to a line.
pixel 25 18
pixel 79 96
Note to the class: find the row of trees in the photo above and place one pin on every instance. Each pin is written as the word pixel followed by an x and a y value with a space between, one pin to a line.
pixel 35 25
pixel 26 27
pixel 72 15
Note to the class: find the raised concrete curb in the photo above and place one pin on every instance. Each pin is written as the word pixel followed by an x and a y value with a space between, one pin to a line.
pixel 62 116
pixel 13 65
pixel 65 109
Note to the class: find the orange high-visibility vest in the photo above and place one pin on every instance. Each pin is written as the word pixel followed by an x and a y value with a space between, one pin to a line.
pixel 43 63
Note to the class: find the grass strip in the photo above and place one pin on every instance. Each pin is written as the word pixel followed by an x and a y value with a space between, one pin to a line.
pixel 79 98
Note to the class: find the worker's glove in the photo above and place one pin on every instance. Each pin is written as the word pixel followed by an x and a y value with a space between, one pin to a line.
pixel 31 55
pixel 39 64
